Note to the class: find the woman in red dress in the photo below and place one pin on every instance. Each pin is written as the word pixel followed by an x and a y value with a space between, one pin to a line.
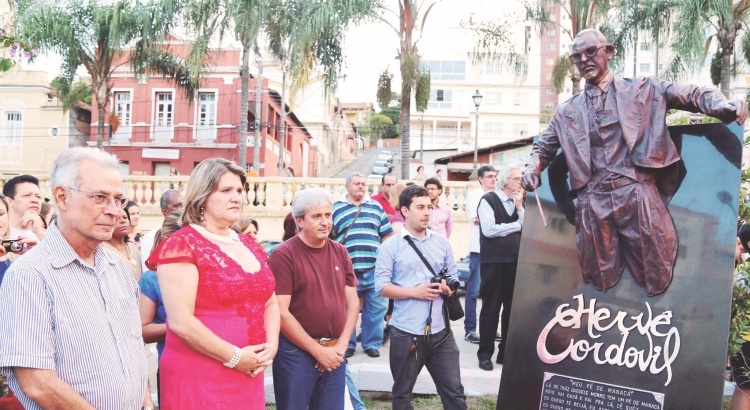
pixel 222 316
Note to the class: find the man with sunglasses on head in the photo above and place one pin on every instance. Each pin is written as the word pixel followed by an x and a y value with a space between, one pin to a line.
pixel 70 331
pixel 623 165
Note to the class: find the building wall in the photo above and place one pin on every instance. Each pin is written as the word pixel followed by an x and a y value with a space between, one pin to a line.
pixel 146 147
pixel 33 125
pixel 509 109
pixel 551 49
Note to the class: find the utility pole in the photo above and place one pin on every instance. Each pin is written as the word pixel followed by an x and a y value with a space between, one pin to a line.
pixel 258 95
pixel 282 125
pixel 421 142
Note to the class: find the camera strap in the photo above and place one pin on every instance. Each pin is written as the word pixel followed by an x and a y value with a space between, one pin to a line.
pixel 428 326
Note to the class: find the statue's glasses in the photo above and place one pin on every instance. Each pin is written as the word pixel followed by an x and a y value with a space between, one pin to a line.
pixel 590 52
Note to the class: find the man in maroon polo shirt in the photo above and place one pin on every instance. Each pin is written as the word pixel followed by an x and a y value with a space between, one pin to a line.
pixel 316 291
pixel 384 196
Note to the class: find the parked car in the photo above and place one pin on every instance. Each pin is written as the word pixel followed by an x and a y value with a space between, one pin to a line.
pixel 374 177
pixel 269 246
pixel 381 168
pixel 386 158
pixel 462 268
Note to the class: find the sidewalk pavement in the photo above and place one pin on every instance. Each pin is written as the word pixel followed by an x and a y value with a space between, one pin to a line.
pixel 374 374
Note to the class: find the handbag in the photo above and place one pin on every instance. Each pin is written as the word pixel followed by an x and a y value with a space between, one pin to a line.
pixel 450 303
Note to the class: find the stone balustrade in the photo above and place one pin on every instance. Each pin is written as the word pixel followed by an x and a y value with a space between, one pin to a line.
pixel 270 200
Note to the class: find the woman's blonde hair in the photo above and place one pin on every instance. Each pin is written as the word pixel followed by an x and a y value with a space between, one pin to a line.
pixel 395 193
pixel 204 180
pixel 241 225
pixel 170 225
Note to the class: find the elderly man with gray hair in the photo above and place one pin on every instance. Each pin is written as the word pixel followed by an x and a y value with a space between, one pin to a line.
pixel 171 201
pixel 315 288
pixel 70 333
pixel 500 222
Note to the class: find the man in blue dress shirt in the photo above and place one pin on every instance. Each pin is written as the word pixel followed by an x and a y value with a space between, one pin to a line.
pixel 401 275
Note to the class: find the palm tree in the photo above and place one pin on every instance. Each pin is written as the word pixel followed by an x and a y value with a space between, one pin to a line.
pixel 305 35
pixel 94 35
pixel 582 14
pixel 653 17
pixel 492 43
pixel 690 21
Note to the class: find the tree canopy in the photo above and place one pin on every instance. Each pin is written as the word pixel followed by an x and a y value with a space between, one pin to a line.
pixel 94 34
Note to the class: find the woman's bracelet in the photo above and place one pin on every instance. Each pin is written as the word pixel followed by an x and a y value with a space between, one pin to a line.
pixel 235 358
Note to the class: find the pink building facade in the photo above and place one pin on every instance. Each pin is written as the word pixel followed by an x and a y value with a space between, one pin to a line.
pixel 160 127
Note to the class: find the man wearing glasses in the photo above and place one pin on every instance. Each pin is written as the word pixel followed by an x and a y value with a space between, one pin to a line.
pixel 623 165
pixel 500 214
pixel 70 332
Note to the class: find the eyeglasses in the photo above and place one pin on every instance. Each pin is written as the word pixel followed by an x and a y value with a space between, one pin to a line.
pixel 590 52
pixel 103 201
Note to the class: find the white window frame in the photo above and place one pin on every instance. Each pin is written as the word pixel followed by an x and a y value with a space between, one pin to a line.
pixel 206 132
pixel 647 67
pixel 520 99
pixel 439 74
pixel 11 138
pixel 12 131
pixel 125 129
pixel 161 130
pixel 520 130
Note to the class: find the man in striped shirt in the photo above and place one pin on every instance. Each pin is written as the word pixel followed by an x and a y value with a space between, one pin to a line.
pixel 361 225
pixel 70 333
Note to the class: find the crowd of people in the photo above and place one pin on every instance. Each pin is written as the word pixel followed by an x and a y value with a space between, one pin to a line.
pixel 79 298
pixel 219 310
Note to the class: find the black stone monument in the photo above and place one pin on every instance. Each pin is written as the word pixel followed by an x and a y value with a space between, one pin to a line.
pixel 572 346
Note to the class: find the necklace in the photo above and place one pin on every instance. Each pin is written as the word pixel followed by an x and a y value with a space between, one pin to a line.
pixel 126 255
pixel 232 239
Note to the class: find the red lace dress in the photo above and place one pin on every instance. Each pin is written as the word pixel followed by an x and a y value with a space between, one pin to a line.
pixel 230 302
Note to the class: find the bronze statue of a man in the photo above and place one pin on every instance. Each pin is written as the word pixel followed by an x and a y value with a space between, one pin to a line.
pixel 622 164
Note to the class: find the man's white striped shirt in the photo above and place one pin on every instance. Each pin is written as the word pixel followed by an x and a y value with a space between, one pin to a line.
pixel 59 313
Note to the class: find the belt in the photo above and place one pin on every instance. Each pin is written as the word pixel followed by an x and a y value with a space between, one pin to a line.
pixel 326 341
pixel 615 183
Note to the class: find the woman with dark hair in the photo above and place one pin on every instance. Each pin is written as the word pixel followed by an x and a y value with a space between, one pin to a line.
pixel 420 174
pixel 47 211
pixel 290 228
pixel 120 243
pixel 135 218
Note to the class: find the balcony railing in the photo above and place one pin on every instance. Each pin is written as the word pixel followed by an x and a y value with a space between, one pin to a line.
pixel 269 200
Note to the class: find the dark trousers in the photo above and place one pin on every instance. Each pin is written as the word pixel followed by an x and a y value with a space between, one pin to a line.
pixel 441 361
pixel 297 384
pixel 498 280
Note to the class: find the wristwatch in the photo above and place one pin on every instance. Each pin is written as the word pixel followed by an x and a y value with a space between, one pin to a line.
pixel 147 408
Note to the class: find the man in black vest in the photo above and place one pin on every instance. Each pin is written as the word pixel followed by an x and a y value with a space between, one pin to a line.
pixel 500 221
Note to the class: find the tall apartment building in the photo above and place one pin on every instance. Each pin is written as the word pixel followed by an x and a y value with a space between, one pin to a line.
pixel 510 106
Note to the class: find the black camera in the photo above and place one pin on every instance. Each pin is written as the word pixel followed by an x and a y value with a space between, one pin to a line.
pixel 13 245
pixel 449 280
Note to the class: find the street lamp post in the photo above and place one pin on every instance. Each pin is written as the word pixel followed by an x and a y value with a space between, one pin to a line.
pixel 477 100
